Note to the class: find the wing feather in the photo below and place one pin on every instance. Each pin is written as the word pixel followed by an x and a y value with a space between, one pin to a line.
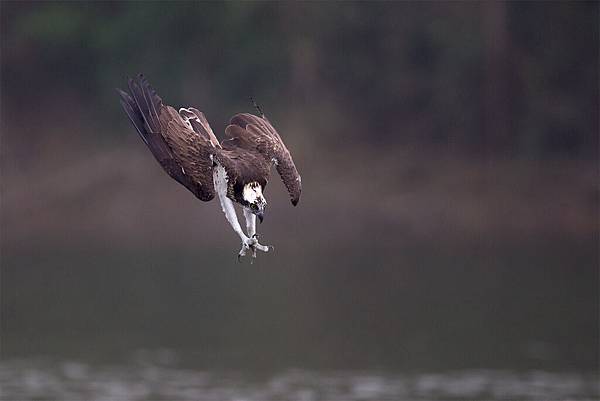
pixel 192 151
pixel 182 153
pixel 196 120
pixel 258 134
pixel 186 147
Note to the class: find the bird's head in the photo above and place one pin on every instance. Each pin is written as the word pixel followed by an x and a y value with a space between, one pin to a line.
pixel 253 195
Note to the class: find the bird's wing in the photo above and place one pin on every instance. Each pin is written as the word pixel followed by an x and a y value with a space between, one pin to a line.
pixel 196 120
pixel 183 153
pixel 258 135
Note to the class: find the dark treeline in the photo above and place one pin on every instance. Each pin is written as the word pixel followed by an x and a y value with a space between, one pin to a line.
pixel 516 79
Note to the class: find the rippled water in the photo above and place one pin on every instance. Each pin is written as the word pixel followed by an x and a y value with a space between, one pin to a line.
pixel 44 379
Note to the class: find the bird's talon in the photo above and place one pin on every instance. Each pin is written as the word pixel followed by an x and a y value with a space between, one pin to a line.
pixel 245 248
pixel 252 244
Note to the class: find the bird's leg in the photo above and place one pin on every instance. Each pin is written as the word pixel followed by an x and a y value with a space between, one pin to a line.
pixel 251 230
pixel 231 217
pixel 220 183
pixel 250 222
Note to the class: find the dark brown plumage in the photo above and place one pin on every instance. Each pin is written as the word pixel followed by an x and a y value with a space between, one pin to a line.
pixel 186 147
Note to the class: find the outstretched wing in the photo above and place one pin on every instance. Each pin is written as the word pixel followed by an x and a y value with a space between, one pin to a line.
pixel 257 134
pixel 183 153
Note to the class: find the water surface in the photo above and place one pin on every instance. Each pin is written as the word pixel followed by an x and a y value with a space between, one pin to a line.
pixel 158 376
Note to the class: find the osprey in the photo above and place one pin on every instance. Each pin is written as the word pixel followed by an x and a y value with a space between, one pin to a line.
pixel 236 169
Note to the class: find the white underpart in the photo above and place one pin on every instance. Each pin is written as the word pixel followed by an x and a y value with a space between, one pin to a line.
pixel 251 194
pixel 250 222
pixel 220 181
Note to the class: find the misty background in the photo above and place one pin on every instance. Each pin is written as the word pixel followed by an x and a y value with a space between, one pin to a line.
pixel 449 161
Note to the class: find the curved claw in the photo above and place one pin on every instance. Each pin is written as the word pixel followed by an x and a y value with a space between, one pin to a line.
pixel 242 252
pixel 253 245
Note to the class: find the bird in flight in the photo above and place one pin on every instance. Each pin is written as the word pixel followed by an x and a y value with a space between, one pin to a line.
pixel 236 169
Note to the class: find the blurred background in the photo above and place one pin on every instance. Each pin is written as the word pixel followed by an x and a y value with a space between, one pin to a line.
pixel 446 242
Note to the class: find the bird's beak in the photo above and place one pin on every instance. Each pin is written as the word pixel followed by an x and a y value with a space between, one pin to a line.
pixel 260 216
